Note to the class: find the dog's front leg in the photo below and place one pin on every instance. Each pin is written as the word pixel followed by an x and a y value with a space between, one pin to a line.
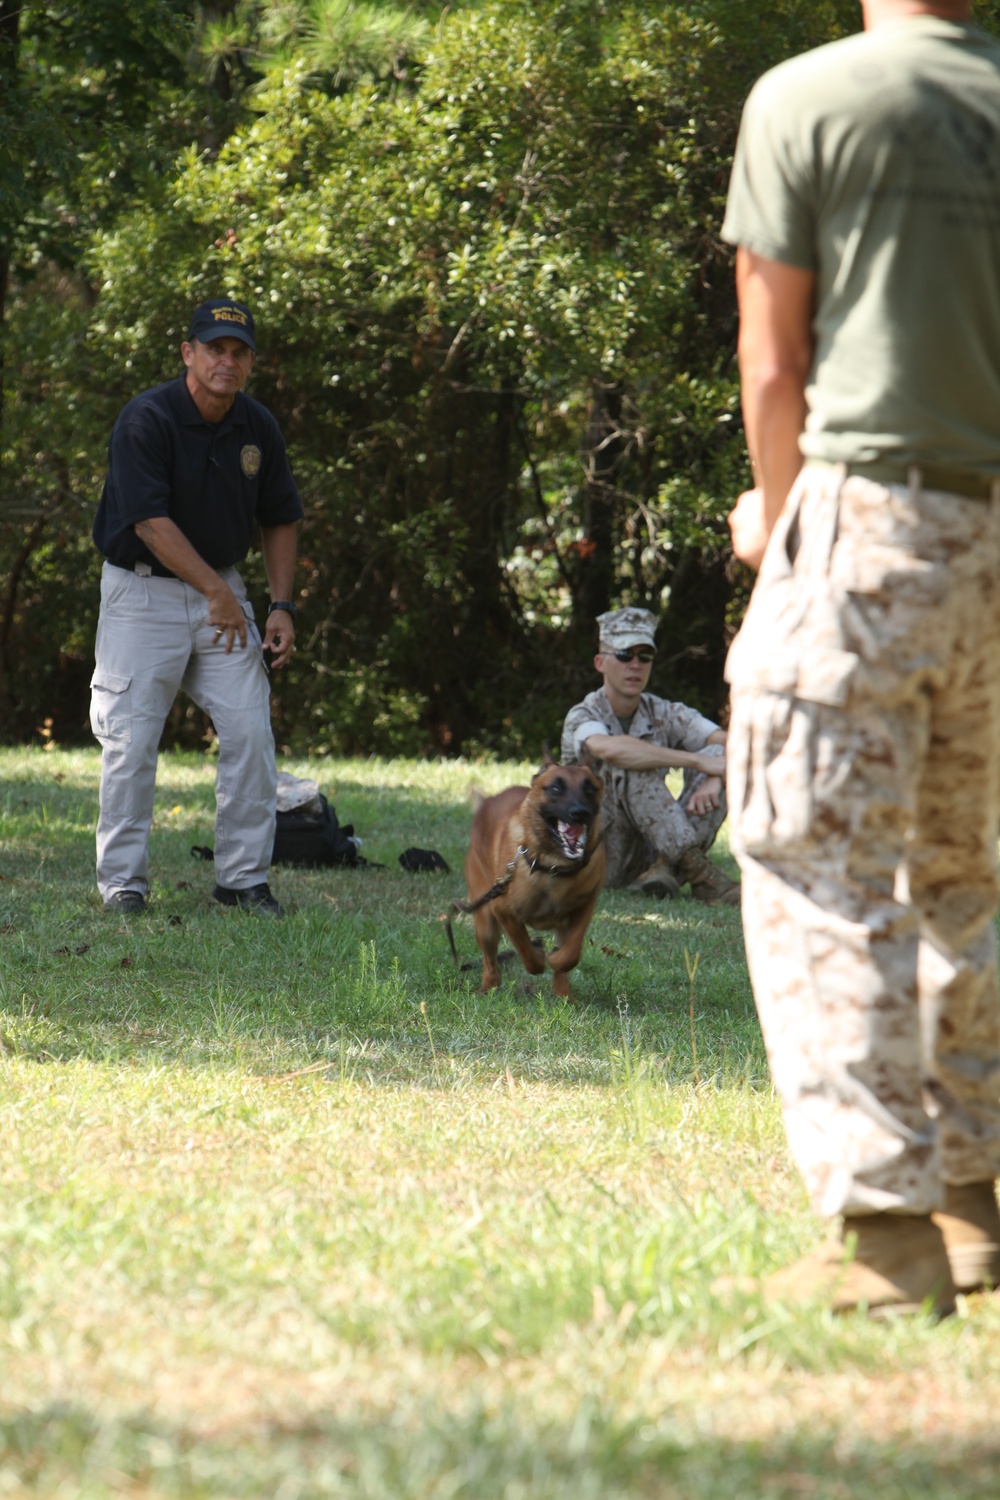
pixel 531 956
pixel 569 946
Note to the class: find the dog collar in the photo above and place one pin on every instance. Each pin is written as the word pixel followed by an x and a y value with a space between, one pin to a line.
pixel 499 886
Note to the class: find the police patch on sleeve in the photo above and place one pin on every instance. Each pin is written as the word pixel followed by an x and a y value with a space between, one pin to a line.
pixel 250 460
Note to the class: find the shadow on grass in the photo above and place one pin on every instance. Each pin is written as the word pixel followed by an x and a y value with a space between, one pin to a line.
pixel 359 954
pixel 472 1455
pixel 194 984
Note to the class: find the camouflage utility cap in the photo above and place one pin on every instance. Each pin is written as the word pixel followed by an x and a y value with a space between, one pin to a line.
pixel 627 627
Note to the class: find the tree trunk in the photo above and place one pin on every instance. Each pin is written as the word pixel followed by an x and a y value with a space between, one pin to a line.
pixel 7 613
pixel 219 115
pixel 601 455
pixel 10 18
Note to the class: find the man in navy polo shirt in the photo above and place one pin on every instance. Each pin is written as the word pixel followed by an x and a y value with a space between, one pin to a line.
pixel 192 465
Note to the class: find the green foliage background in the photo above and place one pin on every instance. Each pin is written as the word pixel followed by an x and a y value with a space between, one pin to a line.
pixel 497 324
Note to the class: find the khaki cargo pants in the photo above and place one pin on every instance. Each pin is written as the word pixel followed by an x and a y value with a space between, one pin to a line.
pixel 154 639
pixel 864 757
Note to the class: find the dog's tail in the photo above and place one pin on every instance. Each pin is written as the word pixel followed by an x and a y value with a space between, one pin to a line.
pixel 454 910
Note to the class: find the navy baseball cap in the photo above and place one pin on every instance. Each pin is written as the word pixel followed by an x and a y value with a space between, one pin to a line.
pixel 222 318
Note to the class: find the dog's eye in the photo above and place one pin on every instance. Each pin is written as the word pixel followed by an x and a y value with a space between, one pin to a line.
pixel 557 787
pixel 589 791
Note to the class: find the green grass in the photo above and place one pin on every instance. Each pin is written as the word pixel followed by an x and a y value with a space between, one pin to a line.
pixel 289 1210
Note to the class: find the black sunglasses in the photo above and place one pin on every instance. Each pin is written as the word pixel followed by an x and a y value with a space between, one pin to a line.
pixel 635 653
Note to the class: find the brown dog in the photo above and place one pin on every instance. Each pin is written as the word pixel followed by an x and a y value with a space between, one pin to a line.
pixel 536 854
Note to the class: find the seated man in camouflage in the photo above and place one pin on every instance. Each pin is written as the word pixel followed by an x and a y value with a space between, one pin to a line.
pixel 655 843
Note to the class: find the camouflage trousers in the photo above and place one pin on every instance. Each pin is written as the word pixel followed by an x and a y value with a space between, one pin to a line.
pixel 864 762
pixel 644 822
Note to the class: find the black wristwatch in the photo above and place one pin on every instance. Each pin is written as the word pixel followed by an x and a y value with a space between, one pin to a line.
pixel 285 604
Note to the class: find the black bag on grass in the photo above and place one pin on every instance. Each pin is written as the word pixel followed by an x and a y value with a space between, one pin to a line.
pixel 302 838
pixel 421 861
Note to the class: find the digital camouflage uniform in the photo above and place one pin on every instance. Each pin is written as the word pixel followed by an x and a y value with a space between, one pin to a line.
pixel 863 747
pixel 864 743
pixel 642 820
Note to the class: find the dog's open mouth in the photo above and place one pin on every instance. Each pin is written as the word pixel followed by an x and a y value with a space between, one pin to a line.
pixel 571 838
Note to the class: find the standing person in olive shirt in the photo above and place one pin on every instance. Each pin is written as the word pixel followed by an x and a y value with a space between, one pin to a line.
pixel 864 743
pixel 193 464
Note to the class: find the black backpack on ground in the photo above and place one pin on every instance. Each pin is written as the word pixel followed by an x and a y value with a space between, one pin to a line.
pixel 302 838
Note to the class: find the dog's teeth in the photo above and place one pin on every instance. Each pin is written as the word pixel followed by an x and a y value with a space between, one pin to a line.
pixel 573 837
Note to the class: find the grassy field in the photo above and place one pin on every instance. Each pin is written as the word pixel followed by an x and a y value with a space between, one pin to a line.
pixel 288 1210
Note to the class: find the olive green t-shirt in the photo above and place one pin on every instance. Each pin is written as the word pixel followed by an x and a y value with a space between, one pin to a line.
pixel 875 162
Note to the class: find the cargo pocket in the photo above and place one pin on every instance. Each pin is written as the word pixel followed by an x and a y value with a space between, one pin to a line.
pixel 253 634
pixel 791 670
pixel 788 747
pixel 111 708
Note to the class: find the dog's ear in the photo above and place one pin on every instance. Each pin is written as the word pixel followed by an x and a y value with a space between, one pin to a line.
pixel 589 760
pixel 590 763
pixel 547 761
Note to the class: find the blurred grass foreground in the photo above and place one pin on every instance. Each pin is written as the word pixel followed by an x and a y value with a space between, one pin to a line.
pixel 289 1210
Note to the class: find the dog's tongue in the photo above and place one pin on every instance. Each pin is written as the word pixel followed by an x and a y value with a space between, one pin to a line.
pixel 574 836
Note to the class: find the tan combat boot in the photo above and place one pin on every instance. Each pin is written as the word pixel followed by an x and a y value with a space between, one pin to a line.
pixel 970 1224
pixel 886 1263
pixel 659 880
pixel 708 883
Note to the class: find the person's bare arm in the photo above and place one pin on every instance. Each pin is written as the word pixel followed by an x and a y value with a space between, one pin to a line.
pixel 171 547
pixel 278 545
pixel 631 754
pixel 775 353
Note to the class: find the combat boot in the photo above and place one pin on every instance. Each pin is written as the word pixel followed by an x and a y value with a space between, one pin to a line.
pixel 886 1263
pixel 659 880
pixel 708 883
pixel 970 1224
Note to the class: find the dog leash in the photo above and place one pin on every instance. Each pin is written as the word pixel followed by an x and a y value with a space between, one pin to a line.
pixel 498 887
pixel 458 907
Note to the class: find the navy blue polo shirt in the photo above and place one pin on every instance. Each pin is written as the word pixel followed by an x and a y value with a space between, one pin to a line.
pixel 212 479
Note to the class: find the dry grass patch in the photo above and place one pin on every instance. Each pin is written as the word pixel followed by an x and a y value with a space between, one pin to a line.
pixel 270 1229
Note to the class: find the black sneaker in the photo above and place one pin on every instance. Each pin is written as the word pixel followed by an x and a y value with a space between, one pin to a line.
pixel 126 902
pixel 256 899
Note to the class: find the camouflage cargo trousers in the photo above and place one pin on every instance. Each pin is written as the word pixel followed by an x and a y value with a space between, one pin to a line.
pixel 644 822
pixel 864 760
